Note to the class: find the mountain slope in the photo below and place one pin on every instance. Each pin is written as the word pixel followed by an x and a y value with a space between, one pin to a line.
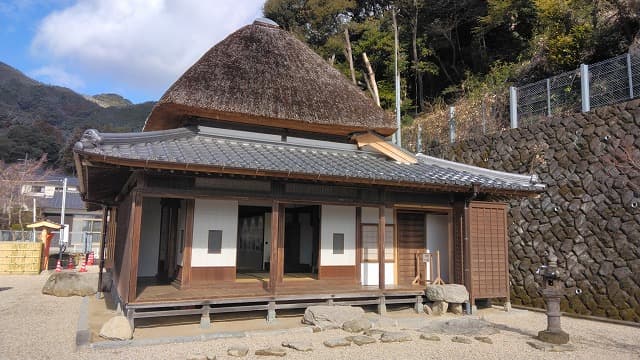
pixel 24 101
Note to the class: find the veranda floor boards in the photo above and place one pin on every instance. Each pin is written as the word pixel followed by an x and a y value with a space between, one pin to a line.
pixel 153 293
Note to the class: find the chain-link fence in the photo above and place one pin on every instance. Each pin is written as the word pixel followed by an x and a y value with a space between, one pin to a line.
pixel 604 83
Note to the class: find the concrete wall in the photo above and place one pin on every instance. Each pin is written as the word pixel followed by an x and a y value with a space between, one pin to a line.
pixel 590 214
pixel 215 215
pixel 438 240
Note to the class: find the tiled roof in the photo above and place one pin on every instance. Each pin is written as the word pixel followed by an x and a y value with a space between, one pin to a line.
pixel 268 153
pixel 73 201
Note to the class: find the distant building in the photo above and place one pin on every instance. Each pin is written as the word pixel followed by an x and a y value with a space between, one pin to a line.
pixel 85 226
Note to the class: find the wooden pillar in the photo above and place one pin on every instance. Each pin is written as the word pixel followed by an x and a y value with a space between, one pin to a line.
pixel 135 222
pixel 467 254
pixel 381 234
pixel 276 265
pixel 188 244
pixel 358 278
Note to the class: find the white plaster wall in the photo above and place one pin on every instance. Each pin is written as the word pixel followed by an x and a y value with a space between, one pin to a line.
pixel 215 215
pixel 438 239
pixel 369 273
pixel 338 219
pixel 149 237
pixel 370 215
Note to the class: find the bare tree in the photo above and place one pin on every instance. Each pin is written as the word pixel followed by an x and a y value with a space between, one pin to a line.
pixel 12 195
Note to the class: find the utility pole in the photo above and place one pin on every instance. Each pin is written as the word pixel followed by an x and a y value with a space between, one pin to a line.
pixel 63 230
pixel 398 137
pixel 34 218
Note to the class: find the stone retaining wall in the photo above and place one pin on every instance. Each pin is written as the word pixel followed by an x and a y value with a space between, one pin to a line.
pixel 590 214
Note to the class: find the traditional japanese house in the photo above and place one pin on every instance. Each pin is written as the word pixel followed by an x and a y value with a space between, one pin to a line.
pixel 262 181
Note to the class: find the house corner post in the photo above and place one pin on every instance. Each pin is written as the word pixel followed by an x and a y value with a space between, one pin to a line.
pixel 136 220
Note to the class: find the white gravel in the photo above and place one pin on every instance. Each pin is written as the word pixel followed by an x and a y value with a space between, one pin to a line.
pixel 35 326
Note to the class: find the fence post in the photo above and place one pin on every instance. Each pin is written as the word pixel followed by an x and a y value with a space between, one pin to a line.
pixel 513 106
pixel 548 97
pixel 584 87
pixel 452 124
pixel 630 75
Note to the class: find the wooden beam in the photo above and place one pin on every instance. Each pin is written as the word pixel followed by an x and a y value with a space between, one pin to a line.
pixel 381 235
pixel 358 276
pixel 136 219
pixel 188 243
pixel 380 145
pixel 280 263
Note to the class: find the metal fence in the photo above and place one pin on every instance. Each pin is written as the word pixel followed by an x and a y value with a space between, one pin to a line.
pixel 604 83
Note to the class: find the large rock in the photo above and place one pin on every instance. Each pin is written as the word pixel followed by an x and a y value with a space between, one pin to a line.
pixel 117 328
pixel 451 293
pixel 63 284
pixel 331 317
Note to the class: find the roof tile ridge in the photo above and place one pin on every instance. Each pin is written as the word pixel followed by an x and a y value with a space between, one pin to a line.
pixel 93 138
pixel 284 143
pixel 431 160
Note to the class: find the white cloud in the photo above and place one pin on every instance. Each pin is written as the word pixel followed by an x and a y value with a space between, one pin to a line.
pixel 143 43
pixel 57 76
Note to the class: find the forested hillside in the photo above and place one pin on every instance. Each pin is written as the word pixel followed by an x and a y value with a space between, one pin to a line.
pixel 455 50
pixel 36 118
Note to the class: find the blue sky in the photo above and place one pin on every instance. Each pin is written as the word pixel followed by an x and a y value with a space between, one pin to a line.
pixel 135 48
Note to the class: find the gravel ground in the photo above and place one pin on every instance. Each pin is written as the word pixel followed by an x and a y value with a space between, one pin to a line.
pixel 36 326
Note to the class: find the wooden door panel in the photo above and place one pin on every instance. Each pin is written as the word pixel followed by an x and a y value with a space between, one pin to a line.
pixel 411 240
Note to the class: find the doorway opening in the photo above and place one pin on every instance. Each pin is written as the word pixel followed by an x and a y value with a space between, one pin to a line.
pixel 301 239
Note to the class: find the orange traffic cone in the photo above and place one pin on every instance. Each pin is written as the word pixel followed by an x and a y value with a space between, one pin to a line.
pixel 83 268
pixel 58 266
pixel 91 259
pixel 70 264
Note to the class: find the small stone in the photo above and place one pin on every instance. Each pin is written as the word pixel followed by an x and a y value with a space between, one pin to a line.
pixel 484 339
pixel 298 345
pixel 361 339
pixel 429 337
pixel 427 309
pixel 461 340
pixel 212 357
pixel 317 329
pixel 238 351
pixel 392 336
pixel 456 308
pixel 336 342
pixel 357 325
pixel 376 333
pixel 439 307
pixel 117 328
pixel 271 352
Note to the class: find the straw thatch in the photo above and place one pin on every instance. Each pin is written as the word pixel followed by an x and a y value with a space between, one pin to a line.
pixel 263 75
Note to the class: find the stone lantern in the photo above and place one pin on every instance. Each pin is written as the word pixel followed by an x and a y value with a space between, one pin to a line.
pixel 552 293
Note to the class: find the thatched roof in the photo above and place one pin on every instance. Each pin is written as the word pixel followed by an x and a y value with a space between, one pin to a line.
pixel 263 75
